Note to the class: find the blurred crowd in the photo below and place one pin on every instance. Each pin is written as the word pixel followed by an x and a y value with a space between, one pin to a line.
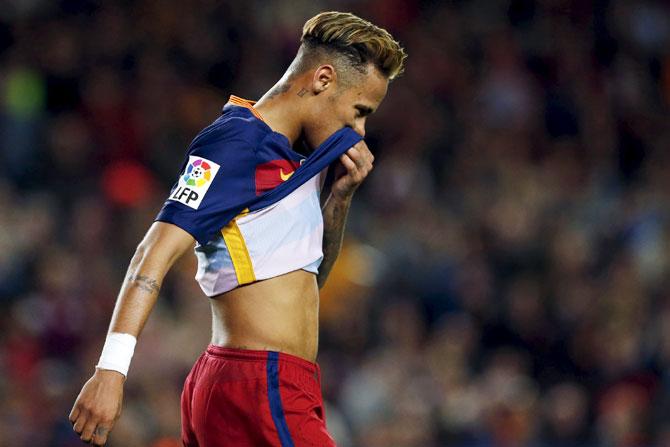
pixel 504 280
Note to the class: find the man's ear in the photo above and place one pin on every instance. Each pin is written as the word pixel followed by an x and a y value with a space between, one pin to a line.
pixel 324 77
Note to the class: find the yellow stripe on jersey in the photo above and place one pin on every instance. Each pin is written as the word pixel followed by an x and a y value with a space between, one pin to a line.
pixel 238 253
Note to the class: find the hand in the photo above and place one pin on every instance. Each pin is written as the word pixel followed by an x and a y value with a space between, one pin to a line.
pixel 355 165
pixel 98 406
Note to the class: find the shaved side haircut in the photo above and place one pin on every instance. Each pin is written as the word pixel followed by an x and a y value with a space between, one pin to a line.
pixel 350 44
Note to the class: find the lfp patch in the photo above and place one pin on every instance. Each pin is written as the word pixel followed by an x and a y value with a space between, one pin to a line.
pixel 195 181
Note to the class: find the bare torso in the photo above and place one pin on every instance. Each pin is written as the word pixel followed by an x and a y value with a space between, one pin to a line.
pixel 277 314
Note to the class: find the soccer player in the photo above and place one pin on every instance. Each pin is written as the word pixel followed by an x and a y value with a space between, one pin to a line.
pixel 264 244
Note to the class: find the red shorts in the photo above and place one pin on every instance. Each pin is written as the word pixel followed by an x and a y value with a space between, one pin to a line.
pixel 239 397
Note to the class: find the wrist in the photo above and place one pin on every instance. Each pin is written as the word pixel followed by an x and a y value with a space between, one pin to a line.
pixel 117 352
pixel 343 198
pixel 109 374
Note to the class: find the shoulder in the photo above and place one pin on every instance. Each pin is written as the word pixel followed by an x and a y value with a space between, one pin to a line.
pixel 234 130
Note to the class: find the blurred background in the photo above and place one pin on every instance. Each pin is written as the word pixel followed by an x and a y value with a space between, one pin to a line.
pixel 504 280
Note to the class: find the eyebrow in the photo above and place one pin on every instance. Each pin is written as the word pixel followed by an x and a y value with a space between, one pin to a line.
pixel 365 110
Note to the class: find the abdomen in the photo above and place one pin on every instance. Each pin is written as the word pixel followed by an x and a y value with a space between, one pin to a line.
pixel 279 314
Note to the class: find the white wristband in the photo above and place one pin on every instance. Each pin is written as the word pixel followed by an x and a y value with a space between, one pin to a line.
pixel 117 352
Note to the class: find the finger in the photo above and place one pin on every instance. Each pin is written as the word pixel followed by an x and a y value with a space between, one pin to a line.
pixel 80 423
pixel 354 171
pixel 100 435
pixel 348 163
pixel 363 167
pixel 362 160
pixel 88 431
pixel 361 145
pixel 364 150
pixel 357 156
pixel 74 414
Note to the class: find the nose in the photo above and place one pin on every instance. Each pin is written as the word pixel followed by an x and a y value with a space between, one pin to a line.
pixel 360 128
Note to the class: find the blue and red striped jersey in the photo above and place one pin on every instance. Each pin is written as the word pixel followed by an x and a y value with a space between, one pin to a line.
pixel 237 163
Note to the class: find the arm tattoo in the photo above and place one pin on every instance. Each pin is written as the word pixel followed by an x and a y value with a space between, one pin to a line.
pixel 145 283
pixel 333 233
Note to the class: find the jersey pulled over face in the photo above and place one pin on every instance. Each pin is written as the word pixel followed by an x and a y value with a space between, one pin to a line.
pixel 350 105
pixel 250 201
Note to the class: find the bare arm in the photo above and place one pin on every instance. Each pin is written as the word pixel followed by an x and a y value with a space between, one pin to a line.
pixel 334 217
pixel 356 164
pixel 98 405
pixel 163 244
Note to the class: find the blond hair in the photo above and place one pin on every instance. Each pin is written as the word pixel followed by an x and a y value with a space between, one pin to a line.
pixel 358 40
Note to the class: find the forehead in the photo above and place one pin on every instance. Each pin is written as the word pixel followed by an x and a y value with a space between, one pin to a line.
pixel 372 88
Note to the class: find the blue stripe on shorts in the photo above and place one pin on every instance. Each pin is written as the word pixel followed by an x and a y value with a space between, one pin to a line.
pixel 275 400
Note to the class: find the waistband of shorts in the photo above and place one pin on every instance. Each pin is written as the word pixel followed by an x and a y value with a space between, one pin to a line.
pixel 259 355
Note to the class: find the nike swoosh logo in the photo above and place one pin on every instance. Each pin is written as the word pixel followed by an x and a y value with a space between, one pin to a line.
pixel 283 176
